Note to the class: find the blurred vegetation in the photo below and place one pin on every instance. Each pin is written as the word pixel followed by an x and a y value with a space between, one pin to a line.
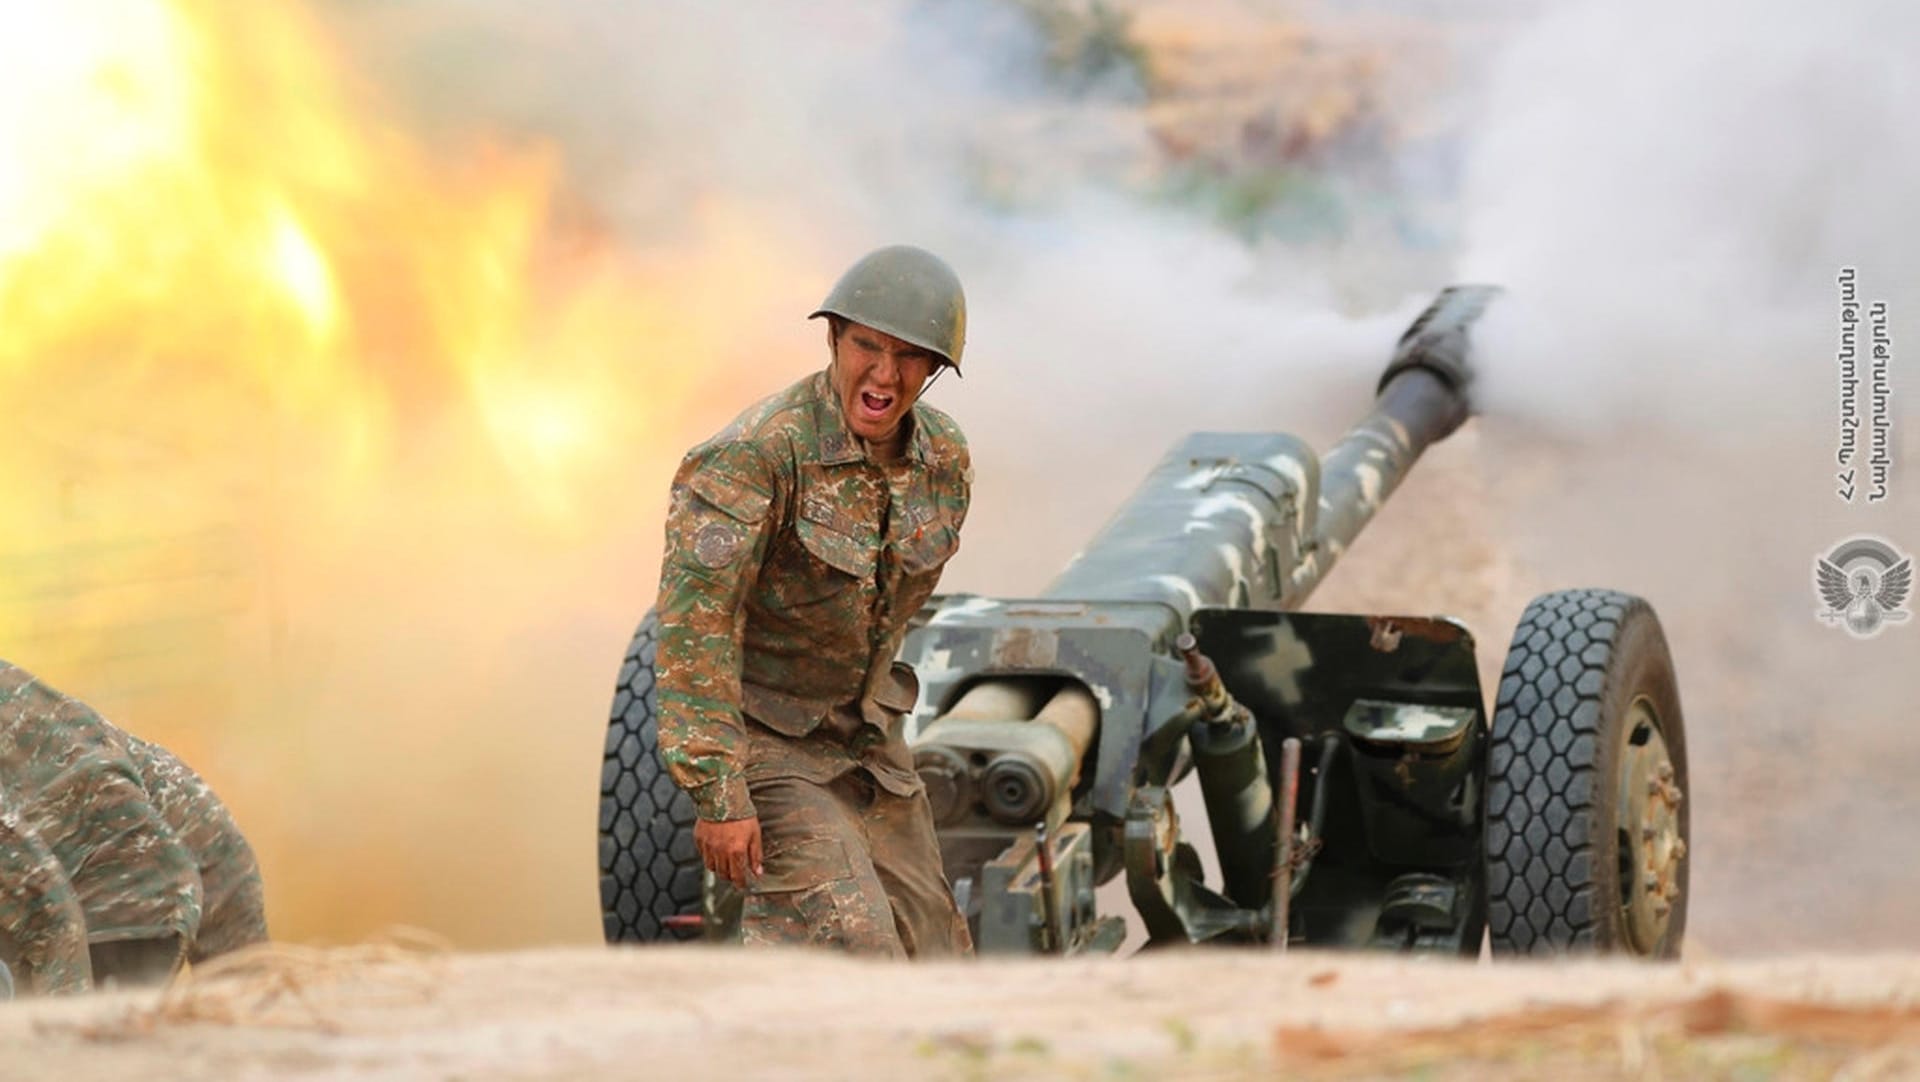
pixel 1255 163
pixel 1089 46
pixel 1290 203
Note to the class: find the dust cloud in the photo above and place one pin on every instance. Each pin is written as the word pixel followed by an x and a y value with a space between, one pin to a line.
pixel 410 667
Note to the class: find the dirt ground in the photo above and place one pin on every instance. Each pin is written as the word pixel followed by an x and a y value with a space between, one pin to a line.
pixel 687 1012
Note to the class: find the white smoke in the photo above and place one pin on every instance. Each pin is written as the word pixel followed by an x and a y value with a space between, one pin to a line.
pixel 1670 191
pixel 1667 192
pixel 1103 323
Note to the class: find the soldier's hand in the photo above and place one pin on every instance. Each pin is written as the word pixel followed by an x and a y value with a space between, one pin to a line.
pixel 730 849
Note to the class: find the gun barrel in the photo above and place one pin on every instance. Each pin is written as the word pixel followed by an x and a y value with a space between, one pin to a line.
pixel 1257 520
pixel 1362 470
pixel 1422 400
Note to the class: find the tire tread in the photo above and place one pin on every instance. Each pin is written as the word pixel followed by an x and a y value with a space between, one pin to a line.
pixel 649 869
pixel 1541 783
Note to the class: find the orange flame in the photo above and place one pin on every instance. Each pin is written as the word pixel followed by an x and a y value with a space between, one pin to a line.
pixel 205 199
pixel 293 396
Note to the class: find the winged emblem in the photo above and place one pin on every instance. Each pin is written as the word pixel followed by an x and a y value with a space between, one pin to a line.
pixel 1864 597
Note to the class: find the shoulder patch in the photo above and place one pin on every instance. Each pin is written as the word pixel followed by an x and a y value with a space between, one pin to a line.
pixel 717 544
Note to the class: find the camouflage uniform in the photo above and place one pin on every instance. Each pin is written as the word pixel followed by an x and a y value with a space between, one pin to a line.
pixel 43 933
pixel 793 562
pixel 116 860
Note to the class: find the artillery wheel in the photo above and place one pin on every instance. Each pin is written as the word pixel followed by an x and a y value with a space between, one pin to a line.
pixel 649 868
pixel 1586 775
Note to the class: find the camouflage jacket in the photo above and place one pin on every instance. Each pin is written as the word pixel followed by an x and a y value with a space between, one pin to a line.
pixel 792 564
pixel 105 837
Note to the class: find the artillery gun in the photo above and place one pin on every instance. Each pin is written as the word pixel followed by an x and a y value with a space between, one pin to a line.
pixel 1356 792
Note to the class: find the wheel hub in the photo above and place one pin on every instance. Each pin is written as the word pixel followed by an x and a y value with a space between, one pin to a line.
pixel 1651 848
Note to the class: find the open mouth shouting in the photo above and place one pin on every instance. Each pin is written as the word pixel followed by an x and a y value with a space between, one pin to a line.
pixel 876 406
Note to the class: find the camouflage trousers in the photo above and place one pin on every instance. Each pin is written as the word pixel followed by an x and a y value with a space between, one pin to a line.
pixel 849 865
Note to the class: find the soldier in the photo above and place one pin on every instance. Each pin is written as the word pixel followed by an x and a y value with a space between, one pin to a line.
pixel 117 863
pixel 800 540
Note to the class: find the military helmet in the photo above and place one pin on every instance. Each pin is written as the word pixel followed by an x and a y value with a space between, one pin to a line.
pixel 907 292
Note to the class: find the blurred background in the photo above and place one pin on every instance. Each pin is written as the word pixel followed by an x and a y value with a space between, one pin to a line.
pixel 348 347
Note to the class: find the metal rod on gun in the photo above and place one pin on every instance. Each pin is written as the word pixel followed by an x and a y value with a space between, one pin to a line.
pixel 1049 900
pixel 1283 853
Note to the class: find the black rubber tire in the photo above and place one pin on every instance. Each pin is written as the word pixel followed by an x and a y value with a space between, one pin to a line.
pixel 1579 660
pixel 649 868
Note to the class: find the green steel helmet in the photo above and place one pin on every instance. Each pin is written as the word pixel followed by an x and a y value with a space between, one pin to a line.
pixel 907 292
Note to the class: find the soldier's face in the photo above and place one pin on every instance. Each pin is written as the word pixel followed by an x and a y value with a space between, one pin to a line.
pixel 876 377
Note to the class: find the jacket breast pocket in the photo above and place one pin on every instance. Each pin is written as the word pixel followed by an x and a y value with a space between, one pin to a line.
pixel 922 558
pixel 929 550
pixel 837 549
